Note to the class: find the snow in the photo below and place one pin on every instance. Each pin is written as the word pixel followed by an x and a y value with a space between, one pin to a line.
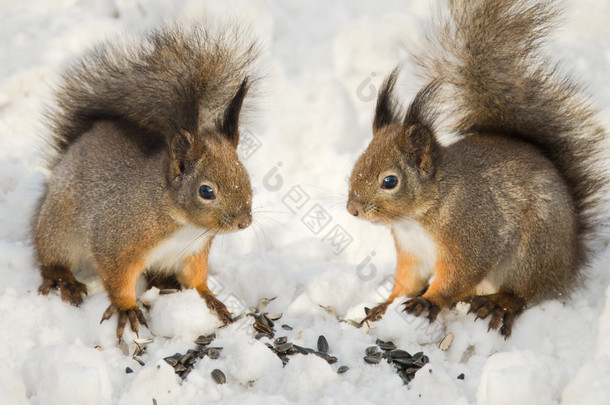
pixel 325 61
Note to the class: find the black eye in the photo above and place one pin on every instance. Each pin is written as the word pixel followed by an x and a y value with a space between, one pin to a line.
pixel 206 193
pixel 389 182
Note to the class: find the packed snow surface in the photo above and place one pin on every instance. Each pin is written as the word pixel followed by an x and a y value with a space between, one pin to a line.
pixel 323 63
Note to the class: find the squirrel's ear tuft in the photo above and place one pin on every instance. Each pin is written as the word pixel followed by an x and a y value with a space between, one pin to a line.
pixel 420 141
pixel 184 148
pixel 386 109
pixel 228 125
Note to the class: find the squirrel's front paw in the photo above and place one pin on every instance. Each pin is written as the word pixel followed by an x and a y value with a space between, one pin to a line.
pixel 134 315
pixel 221 310
pixel 418 305
pixel 375 314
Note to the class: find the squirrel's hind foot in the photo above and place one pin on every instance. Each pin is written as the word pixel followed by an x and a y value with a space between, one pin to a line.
pixel 60 278
pixel 418 305
pixel 134 315
pixel 503 308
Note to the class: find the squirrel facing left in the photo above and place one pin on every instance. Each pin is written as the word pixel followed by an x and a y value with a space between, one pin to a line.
pixel 146 171
pixel 503 217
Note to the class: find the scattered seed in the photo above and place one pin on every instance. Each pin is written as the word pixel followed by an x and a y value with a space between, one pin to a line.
pixel 147 304
pixel 387 346
pixel 342 369
pixel 280 341
pixel 268 321
pixel 446 342
pixel 128 370
pixel 403 362
pixel 218 376
pixel 263 328
pixel 213 353
pixel 287 327
pixel 260 335
pixel 404 377
pixel 303 350
pixel 400 354
pixel 283 348
pixel 168 291
pixel 205 340
pixel 178 368
pixel 461 376
pixel 262 304
pixel 418 356
pixel 139 360
pixel 173 360
pixel 98 348
pixel 275 317
pixel 322 344
pixel 371 350
pixel 372 359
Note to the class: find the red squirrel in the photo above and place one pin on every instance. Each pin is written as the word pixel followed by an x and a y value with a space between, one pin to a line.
pixel 501 217
pixel 146 171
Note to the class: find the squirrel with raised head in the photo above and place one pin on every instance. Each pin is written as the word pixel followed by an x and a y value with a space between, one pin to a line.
pixel 146 171
pixel 503 217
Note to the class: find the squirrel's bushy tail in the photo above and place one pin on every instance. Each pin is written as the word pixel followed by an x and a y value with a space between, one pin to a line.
pixel 177 77
pixel 487 55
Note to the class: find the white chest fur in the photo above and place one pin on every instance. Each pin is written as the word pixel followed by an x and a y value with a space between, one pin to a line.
pixel 415 240
pixel 169 255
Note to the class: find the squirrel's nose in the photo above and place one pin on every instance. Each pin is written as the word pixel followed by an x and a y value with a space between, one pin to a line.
pixel 244 221
pixel 354 208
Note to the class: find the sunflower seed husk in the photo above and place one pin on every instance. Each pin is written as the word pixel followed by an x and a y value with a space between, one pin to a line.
pixel 168 291
pixel 446 342
pixel 287 327
pixel 178 368
pixel 404 377
pixel 387 346
pixel 461 376
pixel 322 344
pixel 371 359
pixel 218 376
pixel 303 350
pixel 280 341
pixel 262 304
pixel 213 353
pixel 263 328
pixel 400 354
pixel 185 358
pixel 371 350
pixel 139 360
pixel 204 340
pixel 342 369
pixel 173 360
pixel 275 317
pixel 283 348
pixel 402 362
pixel 128 370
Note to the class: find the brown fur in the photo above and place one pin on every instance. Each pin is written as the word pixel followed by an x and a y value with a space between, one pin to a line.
pixel 139 130
pixel 515 200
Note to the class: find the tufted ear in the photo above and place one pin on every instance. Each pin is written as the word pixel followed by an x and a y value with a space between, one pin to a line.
pixel 419 140
pixel 184 149
pixel 386 111
pixel 228 125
